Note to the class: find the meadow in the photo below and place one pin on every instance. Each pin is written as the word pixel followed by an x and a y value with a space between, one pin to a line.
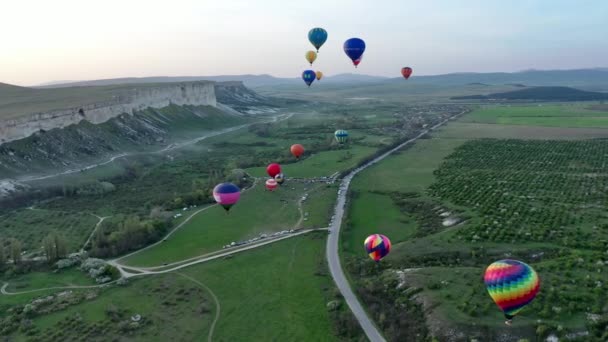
pixel 258 211
pixel 277 292
pixel 578 115
pixel 536 200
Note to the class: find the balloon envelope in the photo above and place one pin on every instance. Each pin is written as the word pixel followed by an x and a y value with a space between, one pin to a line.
pixel 311 56
pixel 341 136
pixel 280 178
pixel 512 285
pixel 317 37
pixel 226 194
pixel 297 150
pixel 273 169
pixel 377 246
pixel 354 49
pixel 319 75
pixel 308 76
pixel 271 184
pixel 406 72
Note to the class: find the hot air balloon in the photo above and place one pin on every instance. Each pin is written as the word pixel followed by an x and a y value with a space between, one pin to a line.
pixel 357 61
pixel 406 72
pixel 226 195
pixel 319 75
pixel 311 56
pixel 308 76
pixel 354 49
pixel 271 184
pixel 512 285
pixel 317 37
pixel 280 178
pixel 273 169
pixel 297 150
pixel 341 136
pixel 377 246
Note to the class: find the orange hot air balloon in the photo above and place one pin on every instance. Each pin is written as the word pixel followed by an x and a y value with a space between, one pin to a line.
pixel 319 75
pixel 297 150
pixel 406 72
pixel 311 56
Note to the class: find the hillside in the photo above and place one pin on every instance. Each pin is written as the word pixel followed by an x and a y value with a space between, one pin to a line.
pixel 540 94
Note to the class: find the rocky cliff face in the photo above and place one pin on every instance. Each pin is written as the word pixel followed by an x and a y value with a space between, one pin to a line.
pixel 136 99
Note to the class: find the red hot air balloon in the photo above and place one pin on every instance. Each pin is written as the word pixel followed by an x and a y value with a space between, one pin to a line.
pixel 273 169
pixel 406 72
pixel 297 150
pixel 271 184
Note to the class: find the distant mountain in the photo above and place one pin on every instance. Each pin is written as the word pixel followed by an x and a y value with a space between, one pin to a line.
pixel 56 82
pixel 540 94
pixel 248 80
pixel 596 79
pixel 588 79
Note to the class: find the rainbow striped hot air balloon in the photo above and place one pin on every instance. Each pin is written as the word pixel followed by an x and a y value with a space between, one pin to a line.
pixel 377 246
pixel 512 285
pixel 226 195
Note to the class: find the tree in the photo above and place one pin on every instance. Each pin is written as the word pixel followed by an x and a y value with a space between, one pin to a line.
pixel 2 255
pixel 16 251
pixel 55 247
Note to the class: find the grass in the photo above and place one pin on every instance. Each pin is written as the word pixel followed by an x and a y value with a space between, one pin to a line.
pixel 258 211
pixel 170 307
pixel 31 226
pixel 319 205
pixel 540 115
pixel 272 293
pixel 372 213
pixel 451 265
pixel 38 280
pixel 321 164
pixel 408 170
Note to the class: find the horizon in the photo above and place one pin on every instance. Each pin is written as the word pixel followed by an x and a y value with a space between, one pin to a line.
pixel 71 40
pixel 57 82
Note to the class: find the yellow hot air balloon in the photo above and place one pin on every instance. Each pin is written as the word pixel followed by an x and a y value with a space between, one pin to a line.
pixel 311 56
pixel 319 75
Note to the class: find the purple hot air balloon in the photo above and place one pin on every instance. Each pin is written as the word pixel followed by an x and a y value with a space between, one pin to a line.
pixel 226 195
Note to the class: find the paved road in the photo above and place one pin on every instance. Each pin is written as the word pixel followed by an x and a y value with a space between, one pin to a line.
pixel 333 257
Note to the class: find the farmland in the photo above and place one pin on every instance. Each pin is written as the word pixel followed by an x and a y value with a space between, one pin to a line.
pixel 454 203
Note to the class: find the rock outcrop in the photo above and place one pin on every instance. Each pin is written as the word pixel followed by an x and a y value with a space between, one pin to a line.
pixel 135 99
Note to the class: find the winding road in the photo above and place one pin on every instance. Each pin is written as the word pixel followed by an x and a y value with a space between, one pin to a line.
pixel 332 247
pixel 333 255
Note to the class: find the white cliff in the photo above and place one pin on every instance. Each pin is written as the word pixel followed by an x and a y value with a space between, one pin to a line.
pixel 137 98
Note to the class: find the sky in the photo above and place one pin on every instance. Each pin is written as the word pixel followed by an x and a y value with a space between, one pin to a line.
pixel 43 40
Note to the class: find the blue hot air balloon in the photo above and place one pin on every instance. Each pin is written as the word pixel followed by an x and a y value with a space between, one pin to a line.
pixel 317 37
pixel 309 76
pixel 354 49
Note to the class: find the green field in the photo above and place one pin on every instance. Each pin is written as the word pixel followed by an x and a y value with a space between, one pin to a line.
pixel 541 115
pixel 321 164
pixel 261 295
pixel 31 226
pixel 273 293
pixel 257 212
pixel 319 205
pixel 534 200
pixel 38 280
